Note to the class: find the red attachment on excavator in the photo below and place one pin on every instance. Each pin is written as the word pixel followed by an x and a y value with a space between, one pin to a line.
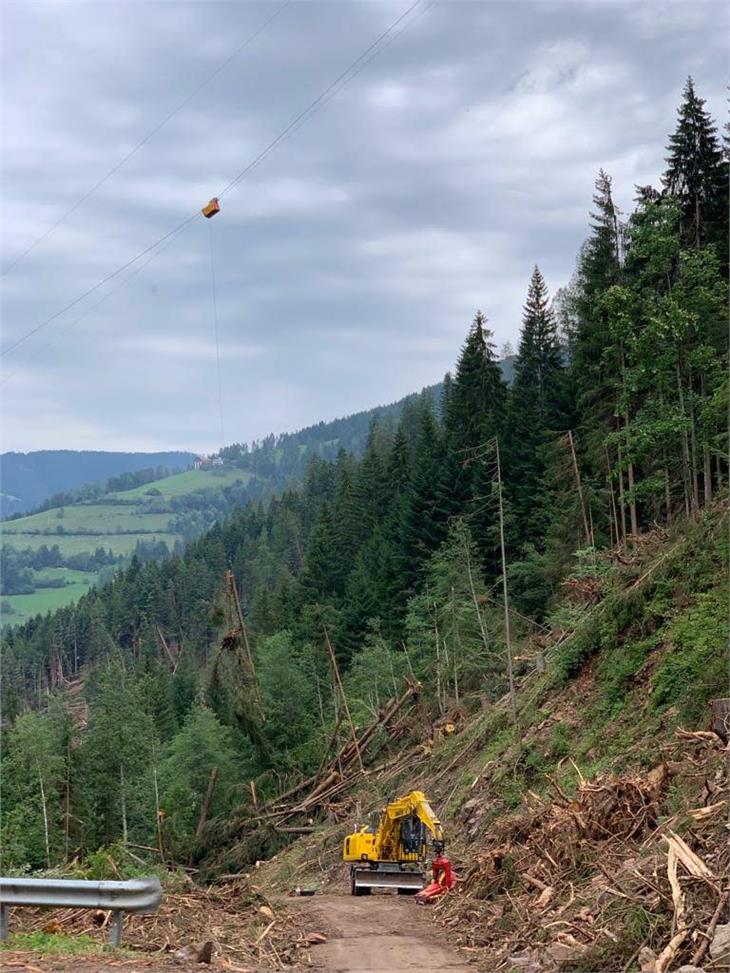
pixel 444 880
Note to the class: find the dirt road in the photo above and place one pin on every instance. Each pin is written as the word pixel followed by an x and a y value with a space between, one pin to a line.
pixel 364 935
pixel 378 932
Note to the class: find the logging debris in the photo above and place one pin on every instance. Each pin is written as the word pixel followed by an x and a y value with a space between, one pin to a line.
pixel 564 882
pixel 233 924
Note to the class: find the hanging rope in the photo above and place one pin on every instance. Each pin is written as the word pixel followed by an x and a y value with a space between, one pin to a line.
pixel 215 329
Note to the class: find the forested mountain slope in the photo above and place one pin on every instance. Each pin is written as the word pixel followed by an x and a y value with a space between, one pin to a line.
pixel 548 560
pixel 30 478
pixel 80 537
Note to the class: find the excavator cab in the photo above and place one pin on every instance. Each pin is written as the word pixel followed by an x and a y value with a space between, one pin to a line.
pixel 412 835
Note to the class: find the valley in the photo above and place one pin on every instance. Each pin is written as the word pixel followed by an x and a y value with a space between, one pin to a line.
pixel 488 621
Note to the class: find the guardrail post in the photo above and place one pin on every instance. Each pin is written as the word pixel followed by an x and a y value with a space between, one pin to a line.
pixel 4 919
pixel 117 924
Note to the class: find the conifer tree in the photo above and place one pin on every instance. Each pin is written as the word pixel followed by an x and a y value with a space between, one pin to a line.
pixel 475 413
pixel 423 527
pixel 537 408
pixel 696 174
pixel 595 357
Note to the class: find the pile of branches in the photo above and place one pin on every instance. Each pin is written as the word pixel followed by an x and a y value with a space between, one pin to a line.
pixel 233 926
pixel 589 881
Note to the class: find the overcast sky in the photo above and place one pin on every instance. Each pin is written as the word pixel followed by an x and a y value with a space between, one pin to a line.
pixel 350 262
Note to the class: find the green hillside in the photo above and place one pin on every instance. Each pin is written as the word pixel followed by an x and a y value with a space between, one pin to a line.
pixel 118 520
pixel 60 545
pixel 17 609
pixel 182 483
pixel 156 516
pixel 29 479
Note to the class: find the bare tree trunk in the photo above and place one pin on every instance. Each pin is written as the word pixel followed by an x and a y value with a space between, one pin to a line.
pixel 390 666
pixel 67 802
pixel 630 469
pixel 472 588
pixel 507 639
pixel 336 670
pixel 456 644
pixel 122 790
pixel 693 448
pixel 612 512
pixel 586 528
pixel 665 471
pixel 321 705
pixel 706 458
pixel 630 463
pixel 233 589
pixel 158 816
pixel 439 667
pixel 621 501
pixel 44 806
pixel 206 802
pixel 685 443
pixel 445 659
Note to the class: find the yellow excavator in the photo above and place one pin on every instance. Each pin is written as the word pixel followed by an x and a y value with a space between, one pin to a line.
pixel 393 854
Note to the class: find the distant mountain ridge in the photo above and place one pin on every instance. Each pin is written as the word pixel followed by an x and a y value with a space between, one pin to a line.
pixel 27 479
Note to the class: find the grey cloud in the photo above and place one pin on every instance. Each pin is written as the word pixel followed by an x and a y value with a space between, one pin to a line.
pixel 350 262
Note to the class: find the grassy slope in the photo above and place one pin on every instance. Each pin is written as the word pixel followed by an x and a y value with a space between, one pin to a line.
pixel 116 525
pixel 188 482
pixel 642 663
pixel 103 522
pixel 43 600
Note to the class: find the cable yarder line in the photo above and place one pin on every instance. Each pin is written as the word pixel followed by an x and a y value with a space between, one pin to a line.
pixel 336 85
pixel 97 185
pixel 95 287
pixel 69 327
pixel 215 329
pixel 361 67
pixel 342 79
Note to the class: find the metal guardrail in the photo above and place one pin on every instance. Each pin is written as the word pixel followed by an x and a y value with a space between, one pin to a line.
pixel 140 895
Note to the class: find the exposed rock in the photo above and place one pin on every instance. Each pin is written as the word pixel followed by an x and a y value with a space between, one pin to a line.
pixel 526 960
pixel 194 954
pixel 205 953
pixel 720 945
pixel 647 960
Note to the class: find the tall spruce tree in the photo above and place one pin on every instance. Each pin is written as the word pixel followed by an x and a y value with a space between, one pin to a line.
pixel 423 526
pixel 537 408
pixel 697 176
pixel 595 357
pixel 475 414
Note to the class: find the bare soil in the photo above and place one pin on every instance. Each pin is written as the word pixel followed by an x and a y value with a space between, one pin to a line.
pixel 380 932
pixel 377 932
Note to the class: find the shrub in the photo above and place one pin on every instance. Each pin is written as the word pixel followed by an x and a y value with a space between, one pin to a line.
pixel 695 669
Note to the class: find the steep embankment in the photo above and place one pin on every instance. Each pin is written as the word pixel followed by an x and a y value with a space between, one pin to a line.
pixel 596 828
